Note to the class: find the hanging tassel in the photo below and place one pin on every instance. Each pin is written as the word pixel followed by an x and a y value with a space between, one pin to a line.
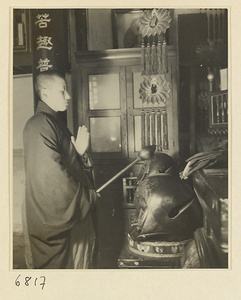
pixel 154 58
pixel 159 55
pixel 165 131
pixel 221 25
pixel 145 59
pixel 143 63
pixel 147 128
pixel 148 60
pixel 225 22
pixel 211 26
pixel 216 26
pixel 208 17
pixel 153 131
pixel 164 57
pixel 158 138
pixel 142 128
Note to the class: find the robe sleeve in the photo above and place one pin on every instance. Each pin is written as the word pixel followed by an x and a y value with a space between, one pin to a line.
pixel 57 190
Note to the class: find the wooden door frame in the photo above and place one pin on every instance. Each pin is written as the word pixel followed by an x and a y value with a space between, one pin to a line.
pixel 124 58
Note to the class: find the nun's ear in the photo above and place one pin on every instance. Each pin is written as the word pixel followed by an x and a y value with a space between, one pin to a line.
pixel 43 93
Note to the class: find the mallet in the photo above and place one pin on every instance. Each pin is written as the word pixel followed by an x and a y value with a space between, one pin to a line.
pixel 145 153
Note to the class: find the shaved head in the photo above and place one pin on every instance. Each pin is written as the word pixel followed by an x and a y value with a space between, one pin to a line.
pixel 45 79
pixel 52 89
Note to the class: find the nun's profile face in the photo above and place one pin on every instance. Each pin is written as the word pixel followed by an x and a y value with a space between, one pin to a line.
pixel 56 95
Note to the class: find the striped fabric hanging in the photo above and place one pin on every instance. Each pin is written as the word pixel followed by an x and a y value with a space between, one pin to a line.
pixel 159 55
pixel 153 131
pixel 164 57
pixel 143 58
pixel 165 131
pixel 159 129
pixel 148 59
pixel 154 128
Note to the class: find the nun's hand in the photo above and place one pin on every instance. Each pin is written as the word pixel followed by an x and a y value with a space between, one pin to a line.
pixel 81 143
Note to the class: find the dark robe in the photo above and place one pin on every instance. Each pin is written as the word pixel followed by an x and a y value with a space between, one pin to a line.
pixel 57 211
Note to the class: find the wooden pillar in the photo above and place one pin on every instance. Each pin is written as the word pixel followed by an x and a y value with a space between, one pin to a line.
pixel 49 41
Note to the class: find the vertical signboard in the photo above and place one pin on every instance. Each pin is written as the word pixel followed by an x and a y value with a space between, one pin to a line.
pixel 49 41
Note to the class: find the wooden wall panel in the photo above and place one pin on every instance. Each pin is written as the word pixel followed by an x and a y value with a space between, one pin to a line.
pixel 99 29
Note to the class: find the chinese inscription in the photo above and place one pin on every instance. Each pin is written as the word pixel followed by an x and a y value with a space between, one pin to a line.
pixel 43 64
pixel 42 20
pixel 44 42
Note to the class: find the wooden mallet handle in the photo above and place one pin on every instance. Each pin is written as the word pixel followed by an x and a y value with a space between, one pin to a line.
pixel 117 175
pixel 145 153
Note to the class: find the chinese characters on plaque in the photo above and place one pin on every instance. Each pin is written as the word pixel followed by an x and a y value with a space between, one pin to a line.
pixel 43 42
pixel 50 40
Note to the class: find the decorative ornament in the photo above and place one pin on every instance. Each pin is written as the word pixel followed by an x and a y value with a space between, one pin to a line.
pixel 154 22
pixel 174 248
pixel 152 26
pixel 155 89
pixel 212 51
pixel 143 247
pixel 159 249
